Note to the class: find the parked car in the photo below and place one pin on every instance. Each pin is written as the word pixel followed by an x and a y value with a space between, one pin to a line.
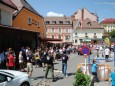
pixel 14 78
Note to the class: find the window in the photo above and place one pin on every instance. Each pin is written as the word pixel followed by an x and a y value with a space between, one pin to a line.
pixel 76 34
pixel 53 22
pixel 59 37
pixel 66 37
pixel 46 29
pixel 38 24
pixel 85 34
pixel 47 22
pixel 75 41
pixel 52 37
pixel 89 23
pixel 59 29
pixel 79 24
pixel 52 29
pixel 67 22
pixel 94 34
pixel 29 20
pixel 0 16
pixel 66 30
pixel 60 22
pixel 2 78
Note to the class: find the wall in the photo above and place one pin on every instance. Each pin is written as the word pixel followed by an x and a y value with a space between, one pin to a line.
pixel 21 21
pixel 86 14
pixel 6 15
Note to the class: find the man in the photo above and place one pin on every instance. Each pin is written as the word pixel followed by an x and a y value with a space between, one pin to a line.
pixel 29 64
pixel 107 52
pixel 64 63
pixel 94 70
pixel 50 65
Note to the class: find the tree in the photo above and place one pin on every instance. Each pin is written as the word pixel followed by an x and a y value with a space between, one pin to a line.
pixel 112 34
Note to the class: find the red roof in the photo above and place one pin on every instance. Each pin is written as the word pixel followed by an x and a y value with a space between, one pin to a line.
pixel 108 21
pixel 9 3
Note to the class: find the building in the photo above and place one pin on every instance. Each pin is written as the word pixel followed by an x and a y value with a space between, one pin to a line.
pixel 84 14
pixel 7 7
pixel 29 18
pixel 59 28
pixel 90 31
pixel 108 24
pixel 6 12
pixel 86 27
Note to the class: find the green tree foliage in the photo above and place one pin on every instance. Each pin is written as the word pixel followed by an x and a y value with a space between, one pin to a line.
pixel 81 79
pixel 112 34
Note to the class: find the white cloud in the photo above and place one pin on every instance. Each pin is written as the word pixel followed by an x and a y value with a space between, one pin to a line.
pixel 54 14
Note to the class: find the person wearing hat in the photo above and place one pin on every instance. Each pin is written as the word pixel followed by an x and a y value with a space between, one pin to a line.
pixel 94 71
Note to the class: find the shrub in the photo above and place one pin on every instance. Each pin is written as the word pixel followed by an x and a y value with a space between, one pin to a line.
pixel 81 79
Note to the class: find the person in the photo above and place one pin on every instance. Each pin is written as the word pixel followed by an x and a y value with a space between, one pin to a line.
pixel 21 61
pixel 29 64
pixel 112 76
pixel 94 70
pixel 37 58
pixel 11 61
pixel 50 65
pixel 65 58
pixel 107 52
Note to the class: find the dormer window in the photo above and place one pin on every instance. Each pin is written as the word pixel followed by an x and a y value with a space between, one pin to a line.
pixel 67 22
pixel 29 20
pixel 79 24
pixel 60 22
pixel 85 34
pixel 53 22
pixel 89 23
pixel 94 34
pixel 47 22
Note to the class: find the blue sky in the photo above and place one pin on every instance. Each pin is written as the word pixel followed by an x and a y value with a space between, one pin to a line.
pixel 103 8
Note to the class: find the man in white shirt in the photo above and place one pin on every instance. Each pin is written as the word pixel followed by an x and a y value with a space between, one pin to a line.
pixel 107 52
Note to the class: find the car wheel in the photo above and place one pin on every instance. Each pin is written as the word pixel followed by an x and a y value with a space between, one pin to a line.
pixel 25 84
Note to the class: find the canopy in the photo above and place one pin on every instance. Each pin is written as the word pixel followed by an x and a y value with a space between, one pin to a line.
pixel 86 39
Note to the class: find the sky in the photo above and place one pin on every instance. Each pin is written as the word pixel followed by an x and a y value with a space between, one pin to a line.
pixel 103 8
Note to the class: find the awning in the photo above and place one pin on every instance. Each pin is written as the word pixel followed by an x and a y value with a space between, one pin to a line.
pixel 86 40
pixel 55 42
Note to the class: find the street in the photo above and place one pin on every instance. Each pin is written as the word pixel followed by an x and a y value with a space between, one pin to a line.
pixel 74 60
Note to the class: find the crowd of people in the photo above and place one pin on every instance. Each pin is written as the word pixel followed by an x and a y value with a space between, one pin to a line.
pixel 42 56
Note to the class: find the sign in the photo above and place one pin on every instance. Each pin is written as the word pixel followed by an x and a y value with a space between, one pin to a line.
pixel 85 50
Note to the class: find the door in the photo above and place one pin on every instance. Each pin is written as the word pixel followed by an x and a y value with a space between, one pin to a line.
pixel 4 80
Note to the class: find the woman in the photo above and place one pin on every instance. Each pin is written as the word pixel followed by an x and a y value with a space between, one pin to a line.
pixel 11 61
pixel 21 61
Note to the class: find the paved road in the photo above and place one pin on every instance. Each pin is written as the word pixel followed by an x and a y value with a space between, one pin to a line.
pixel 74 60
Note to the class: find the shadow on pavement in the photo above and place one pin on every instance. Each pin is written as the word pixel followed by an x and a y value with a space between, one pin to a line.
pixel 39 77
pixel 70 74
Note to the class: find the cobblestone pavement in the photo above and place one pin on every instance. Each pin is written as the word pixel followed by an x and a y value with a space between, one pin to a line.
pixel 38 74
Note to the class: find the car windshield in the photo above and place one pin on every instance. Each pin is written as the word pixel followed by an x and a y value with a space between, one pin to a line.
pixel 7 73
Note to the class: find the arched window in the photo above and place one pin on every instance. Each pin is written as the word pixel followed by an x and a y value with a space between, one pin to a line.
pixel 79 24
pixel 89 23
